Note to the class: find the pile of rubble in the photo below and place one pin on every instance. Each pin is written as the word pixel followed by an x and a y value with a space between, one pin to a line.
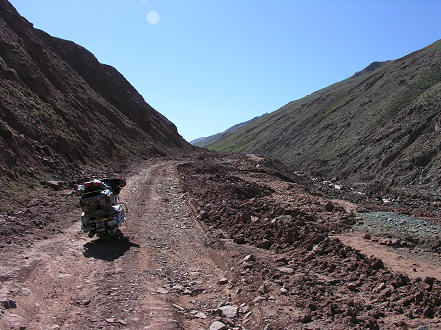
pixel 251 202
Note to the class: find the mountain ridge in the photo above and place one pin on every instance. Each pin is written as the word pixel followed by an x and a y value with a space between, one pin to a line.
pixel 357 128
pixel 65 114
pixel 205 141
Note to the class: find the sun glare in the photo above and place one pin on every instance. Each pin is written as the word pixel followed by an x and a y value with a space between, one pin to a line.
pixel 153 17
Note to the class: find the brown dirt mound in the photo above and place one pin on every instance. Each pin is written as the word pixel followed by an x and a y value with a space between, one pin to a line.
pixel 247 201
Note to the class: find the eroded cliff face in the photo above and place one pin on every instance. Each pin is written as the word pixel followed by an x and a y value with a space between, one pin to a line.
pixel 62 110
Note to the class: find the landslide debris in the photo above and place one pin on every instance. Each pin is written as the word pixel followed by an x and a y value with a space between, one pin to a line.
pixel 309 276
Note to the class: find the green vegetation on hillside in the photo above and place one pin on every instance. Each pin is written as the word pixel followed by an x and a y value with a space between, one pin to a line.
pixel 361 128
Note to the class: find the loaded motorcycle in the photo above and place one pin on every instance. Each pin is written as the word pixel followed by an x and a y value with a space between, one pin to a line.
pixel 103 211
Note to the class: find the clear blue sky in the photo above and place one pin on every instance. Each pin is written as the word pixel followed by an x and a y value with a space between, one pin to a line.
pixel 209 64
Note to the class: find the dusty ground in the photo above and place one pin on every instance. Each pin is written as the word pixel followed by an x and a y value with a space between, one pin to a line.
pixel 154 278
pixel 233 239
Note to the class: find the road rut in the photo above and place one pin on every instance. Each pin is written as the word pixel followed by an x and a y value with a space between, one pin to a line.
pixel 160 275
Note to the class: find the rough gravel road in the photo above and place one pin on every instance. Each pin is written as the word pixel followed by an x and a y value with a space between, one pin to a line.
pixel 212 241
pixel 162 275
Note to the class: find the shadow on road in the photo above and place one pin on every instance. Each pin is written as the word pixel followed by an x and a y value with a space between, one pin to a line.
pixel 108 250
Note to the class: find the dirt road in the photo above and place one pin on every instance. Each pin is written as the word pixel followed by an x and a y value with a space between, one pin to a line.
pixel 212 242
pixel 162 275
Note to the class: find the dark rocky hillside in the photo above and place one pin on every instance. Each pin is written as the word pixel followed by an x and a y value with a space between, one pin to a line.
pixel 61 111
pixel 382 124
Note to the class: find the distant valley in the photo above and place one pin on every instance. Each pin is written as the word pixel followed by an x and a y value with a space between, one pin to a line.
pixel 206 141
pixel 215 240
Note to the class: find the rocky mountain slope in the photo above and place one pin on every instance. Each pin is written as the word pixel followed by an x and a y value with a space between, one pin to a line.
pixel 381 124
pixel 206 141
pixel 61 111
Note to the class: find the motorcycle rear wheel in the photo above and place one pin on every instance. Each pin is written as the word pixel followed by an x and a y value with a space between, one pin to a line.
pixel 107 236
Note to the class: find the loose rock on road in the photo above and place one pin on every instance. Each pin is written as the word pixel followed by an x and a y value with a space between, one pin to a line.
pixel 162 275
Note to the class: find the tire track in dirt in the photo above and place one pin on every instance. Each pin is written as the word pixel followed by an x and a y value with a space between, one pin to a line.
pixel 157 276
pixel 182 267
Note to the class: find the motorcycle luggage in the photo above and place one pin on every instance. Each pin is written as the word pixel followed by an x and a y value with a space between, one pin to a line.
pixel 115 217
pixel 98 202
